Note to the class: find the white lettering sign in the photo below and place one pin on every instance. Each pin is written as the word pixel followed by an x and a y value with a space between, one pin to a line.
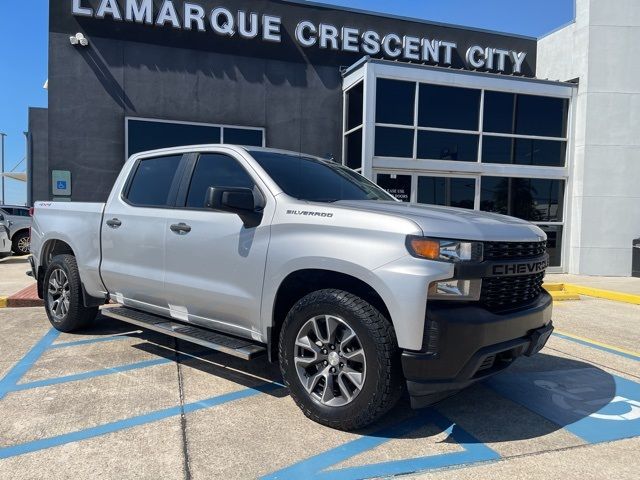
pixel 308 34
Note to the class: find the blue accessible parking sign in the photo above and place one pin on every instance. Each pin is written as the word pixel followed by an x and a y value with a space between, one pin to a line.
pixel 588 402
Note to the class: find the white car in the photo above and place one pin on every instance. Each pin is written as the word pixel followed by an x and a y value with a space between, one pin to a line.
pixel 5 243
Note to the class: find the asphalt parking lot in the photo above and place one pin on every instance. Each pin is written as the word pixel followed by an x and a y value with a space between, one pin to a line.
pixel 115 403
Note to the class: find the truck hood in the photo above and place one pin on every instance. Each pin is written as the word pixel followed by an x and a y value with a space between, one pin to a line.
pixel 454 223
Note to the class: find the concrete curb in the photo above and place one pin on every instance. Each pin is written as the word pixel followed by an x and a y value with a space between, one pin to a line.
pixel 558 293
pixel 25 298
pixel 569 291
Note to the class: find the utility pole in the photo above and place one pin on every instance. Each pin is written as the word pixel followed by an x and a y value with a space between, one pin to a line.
pixel 2 135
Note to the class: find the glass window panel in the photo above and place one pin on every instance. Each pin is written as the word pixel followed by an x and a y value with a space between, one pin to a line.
pixel 147 135
pixel 397 185
pixel 525 114
pixel 316 180
pixel 394 142
pixel 447 191
pixel 395 102
pixel 447 146
pixel 355 105
pixel 541 116
pixel 532 199
pixel 151 184
pixel 554 243
pixel 499 110
pixel 243 136
pixel 215 170
pixel 521 151
pixel 354 150
pixel 449 107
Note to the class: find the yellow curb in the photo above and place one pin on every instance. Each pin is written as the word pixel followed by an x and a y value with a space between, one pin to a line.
pixel 558 292
pixel 600 344
pixel 563 296
pixel 3 302
pixel 605 294
pixel 553 287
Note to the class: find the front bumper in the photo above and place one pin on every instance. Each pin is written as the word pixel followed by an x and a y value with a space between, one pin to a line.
pixel 473 344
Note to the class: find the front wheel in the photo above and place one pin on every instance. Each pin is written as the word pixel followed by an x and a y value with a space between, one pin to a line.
pixel 340 360
pixel 63 296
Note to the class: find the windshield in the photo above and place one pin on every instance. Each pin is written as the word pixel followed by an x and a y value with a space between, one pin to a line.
pixel 315 180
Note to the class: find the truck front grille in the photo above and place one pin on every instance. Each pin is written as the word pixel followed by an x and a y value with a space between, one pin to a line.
pixel 506 293
pixel 512 292
pixel 511 250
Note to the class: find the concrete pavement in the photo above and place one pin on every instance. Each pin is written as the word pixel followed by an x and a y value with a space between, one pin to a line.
pixel 114 402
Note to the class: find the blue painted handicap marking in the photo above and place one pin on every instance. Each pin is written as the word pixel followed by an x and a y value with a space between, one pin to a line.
pixel 316 467
pixel 588 402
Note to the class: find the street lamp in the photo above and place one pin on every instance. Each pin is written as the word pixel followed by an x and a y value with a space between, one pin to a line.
pixel 2 135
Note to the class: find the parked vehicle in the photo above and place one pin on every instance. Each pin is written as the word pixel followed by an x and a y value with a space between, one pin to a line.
pixel 251 251
pixel 5 242
pixel 19 222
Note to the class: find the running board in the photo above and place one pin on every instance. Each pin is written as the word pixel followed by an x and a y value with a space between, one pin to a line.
pixel 215 341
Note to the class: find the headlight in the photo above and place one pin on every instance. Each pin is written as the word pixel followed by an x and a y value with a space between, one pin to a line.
pixel 460 290
pixel 452 251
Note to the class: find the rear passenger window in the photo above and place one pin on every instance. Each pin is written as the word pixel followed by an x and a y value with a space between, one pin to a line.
pixel 151 184
pixel 216 170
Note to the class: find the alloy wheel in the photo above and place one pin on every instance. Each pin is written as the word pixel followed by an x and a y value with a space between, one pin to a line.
pixel 24 244
pixel 58 294
pixel 330 360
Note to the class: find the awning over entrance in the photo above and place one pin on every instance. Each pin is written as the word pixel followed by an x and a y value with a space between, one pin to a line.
pixel 20 176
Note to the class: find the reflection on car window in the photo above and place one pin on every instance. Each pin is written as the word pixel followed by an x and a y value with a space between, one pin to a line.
pixel 216 170
pixel 316 180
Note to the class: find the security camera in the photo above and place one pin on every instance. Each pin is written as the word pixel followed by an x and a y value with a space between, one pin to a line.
pixel 79 39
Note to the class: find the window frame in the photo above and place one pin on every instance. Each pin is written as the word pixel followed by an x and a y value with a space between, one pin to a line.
pixel 173 190
pixel 221 126
pixel 191 162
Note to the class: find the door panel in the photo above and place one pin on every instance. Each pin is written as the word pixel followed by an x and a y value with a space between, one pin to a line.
pixel 133 254
pixel 214 273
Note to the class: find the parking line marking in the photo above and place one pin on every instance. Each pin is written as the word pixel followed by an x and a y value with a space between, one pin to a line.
pixel 315 467
pixel 598 345
pixel 11 379
pixel 92 432
pixel 77 343
pixel 92 374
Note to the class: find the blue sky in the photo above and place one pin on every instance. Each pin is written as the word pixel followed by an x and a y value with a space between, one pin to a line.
pixel 23 48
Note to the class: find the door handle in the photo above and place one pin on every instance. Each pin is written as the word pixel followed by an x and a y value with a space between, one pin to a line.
pixel 180 228
pixel 114 223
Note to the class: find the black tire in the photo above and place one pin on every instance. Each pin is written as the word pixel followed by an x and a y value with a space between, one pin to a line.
pixel 75 316
pixel 382 386
pixel 21 243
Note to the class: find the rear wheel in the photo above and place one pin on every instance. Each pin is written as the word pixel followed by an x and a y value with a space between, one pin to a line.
pixel 63 296
pixel 21 243
pixel 340 360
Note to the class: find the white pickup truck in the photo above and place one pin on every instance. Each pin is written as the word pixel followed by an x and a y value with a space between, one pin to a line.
pixel 255 251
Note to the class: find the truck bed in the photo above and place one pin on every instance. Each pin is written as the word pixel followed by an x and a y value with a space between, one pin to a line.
pixel 76 224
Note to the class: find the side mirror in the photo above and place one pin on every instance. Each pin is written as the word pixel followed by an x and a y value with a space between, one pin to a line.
pixel 244 202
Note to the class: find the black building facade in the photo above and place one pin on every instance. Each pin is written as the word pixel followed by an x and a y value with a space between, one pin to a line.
pixel 270 65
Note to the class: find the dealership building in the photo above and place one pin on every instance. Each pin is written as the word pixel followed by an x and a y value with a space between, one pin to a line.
pixel 547 129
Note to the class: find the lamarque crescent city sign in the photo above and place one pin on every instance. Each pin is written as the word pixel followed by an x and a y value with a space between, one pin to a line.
pixel 268 28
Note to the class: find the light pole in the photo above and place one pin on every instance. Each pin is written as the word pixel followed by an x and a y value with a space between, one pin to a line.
pixel 2 135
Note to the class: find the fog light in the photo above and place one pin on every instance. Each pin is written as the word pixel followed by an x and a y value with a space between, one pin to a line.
pixel 468 290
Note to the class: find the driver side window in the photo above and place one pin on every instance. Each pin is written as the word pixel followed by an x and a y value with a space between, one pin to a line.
pixel 215 170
